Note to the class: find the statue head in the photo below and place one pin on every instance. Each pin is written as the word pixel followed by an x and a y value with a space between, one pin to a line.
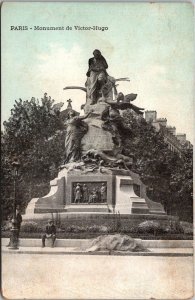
pixel 97 53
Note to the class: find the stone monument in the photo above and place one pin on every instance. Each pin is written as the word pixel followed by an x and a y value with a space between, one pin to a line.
pixel 96 176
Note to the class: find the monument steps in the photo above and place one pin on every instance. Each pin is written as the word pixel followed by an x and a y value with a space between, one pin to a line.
pixel 139 205
pixel 87 208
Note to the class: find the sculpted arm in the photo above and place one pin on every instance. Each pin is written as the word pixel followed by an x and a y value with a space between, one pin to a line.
pixel 105 63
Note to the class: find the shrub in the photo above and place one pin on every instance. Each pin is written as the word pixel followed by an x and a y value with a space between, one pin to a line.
pixel 187 227
pixel 128 229
pixel 97 228
pixel 84 228
pixel 6 225
pixel 72 228
pixel 150 227
pixel 30 226
pixel 173 227
pixel 176 227
pixel 104 229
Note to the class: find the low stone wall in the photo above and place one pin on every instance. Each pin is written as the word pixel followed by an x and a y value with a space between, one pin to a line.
pixel 86 242
pixel 98 218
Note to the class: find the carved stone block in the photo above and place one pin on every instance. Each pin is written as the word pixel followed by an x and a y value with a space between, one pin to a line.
pixel 96 137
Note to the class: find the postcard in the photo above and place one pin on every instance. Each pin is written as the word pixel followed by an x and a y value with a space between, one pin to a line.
pixel 97 147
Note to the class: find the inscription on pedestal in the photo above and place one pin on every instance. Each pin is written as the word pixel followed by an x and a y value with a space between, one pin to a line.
pixel 96 137
pixel 89 192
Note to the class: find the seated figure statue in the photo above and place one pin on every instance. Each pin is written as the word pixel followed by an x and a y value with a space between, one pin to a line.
pixel 96 76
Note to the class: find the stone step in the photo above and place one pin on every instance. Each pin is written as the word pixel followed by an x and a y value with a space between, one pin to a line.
pixel 139 206
pixel 139 210
pixel 87 208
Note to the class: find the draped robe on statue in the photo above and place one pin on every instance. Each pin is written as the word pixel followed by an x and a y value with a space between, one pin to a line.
pixel 96 73
pixel 75 130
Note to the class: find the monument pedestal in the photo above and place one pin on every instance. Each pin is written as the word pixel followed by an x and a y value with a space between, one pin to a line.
pixel 127 202
pixel 122 192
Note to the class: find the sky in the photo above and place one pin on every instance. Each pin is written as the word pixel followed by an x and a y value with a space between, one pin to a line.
pixel 151 43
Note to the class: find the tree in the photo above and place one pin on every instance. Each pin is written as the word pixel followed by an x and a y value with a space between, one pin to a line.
pixel 182 186
pixel 34 134
pixel 167 175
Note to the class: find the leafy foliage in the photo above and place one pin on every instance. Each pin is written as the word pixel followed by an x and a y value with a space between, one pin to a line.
pixel 150 227
pixel 30 226
pixel 167 175
pixel 34 134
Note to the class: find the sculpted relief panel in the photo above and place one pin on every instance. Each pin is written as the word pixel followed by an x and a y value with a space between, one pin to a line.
pixel 89 192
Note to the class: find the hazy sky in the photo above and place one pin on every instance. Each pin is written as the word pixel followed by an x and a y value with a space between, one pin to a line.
pixel 152 44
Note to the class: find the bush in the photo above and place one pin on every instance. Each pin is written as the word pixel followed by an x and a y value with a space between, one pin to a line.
pixel 6 225
pixel 96 228
pixel 173 227
pixel 84 228
pixel 72 228
pixel 128 229
pixel 176 227
pixel 30 226
pixel 150 227
pixel 104 229
pixel 187 227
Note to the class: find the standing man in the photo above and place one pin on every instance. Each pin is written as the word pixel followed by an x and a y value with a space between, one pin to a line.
pixel 18 223
pixel 18 219
pixel 50 232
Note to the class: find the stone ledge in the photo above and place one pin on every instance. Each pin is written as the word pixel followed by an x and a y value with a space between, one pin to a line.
pixel 97 215
pixel 85 242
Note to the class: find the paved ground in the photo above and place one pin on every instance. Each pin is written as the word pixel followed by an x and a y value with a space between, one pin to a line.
pixel 39 276
pixel 73 250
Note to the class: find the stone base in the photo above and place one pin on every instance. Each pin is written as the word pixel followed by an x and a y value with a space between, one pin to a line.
pixel 125 194
pixel 139 206
pixel 48 242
